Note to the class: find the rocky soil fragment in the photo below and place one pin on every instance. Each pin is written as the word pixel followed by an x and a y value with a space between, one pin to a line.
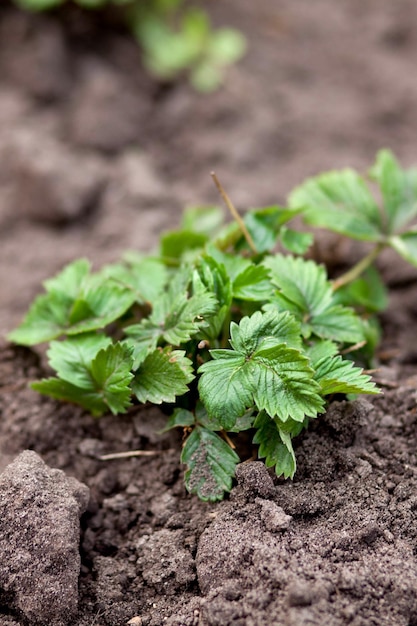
pixel 39 541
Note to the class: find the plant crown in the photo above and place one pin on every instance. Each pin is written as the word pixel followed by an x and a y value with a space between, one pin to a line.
pixel 228 333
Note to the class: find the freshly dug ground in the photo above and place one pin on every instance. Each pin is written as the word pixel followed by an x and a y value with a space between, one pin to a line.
pixel 97 158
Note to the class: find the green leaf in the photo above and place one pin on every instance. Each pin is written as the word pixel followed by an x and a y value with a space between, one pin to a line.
pixel 164 375
pixel 303 283
pixel 406 245
pixel 175 318
pixel 70 280
pixel 336 375
pixel 260 329
pixel 264 225
pixel 202 219
pixel 99 304
pixel 205 77
pixel 399 190
pixel 338 323
pixel 211 464
pixel 72 358
pixel 283 384
pixel 108 388
pixel 226 46
pixel 180 418
pixel 339 201
pixel 175 244
pixel 76 302
pixel 295 241
pixel 146 277
pixel 305 291
pixel 111 375
pixel 368 293
pixel 275 446
pixel 252 284
pixel 67 392
pixel 224 388
pixel 261 370
pixel 320 350
pixel 39 5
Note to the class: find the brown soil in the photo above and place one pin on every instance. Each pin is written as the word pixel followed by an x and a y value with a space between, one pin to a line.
pixel 324 84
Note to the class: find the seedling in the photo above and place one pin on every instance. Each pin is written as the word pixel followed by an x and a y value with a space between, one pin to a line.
pixel 230 334
pixel 175 37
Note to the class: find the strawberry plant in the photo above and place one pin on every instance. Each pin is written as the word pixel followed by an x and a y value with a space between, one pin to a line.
pixel 175 37
pixel 231 334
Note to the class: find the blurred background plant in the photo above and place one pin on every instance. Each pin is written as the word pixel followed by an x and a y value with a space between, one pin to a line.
pixel 176 37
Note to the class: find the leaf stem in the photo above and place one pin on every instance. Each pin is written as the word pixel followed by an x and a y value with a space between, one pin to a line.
pixel 359 268
pixel 234 213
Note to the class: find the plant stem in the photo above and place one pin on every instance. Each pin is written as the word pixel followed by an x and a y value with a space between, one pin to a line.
pixel 359 268
pixel 234 213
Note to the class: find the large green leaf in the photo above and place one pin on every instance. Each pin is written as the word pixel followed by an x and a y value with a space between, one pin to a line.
pixel 339 201
pixel 211 464
pixel 260 370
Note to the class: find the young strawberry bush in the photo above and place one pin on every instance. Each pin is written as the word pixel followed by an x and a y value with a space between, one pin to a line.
pixel 176 37
pixel 228 333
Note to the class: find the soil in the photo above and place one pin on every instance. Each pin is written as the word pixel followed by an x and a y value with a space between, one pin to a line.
pixel 98 158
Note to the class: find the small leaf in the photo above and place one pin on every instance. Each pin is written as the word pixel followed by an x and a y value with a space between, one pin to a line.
pixel 147 277
pixel 180 418
pixel 223 387
pixel 108 387
pixel 164 375
pixel 275 445
pixel 338 323
pixel 336 375
pixel 211 464
pixel 305 291
pixel 226 46
pixel 368 293
pixel 302 282
pixel 406 245
pixel 39 5
pixel 252 284
pixel 67 392
pixel 76 302
pixel 175 318
pixel 339 201
pixel 72 358
pixel 112 376
pixel 175 244
pixel 203 219
pixel 264 225
pixel 399 190
pixel 260 328
pixel 295 241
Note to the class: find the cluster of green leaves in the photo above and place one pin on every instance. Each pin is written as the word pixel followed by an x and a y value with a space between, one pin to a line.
pixel 229 333
pixel 175 37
